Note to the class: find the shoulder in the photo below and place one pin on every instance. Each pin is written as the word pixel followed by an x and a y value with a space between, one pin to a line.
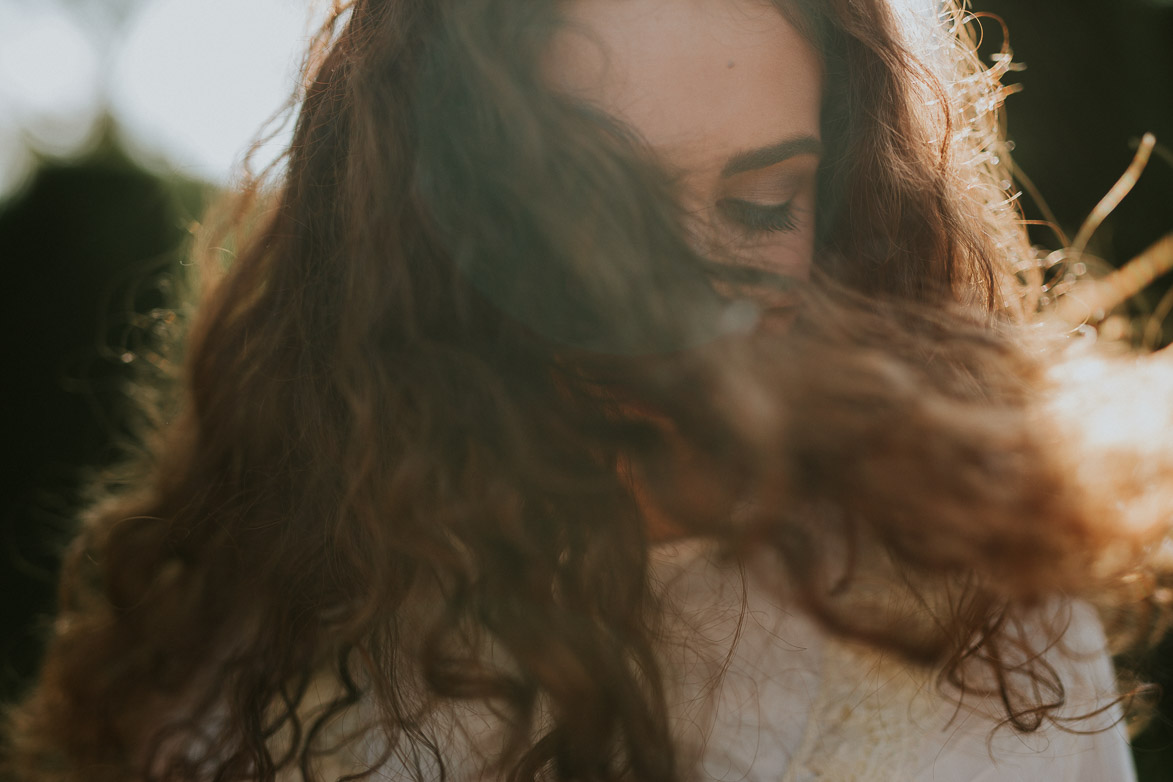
pixel 761 692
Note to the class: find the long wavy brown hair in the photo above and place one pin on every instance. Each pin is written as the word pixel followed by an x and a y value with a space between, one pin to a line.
pixel 397 471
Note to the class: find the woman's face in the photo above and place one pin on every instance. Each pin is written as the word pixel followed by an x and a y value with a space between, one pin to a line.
pixel 727 95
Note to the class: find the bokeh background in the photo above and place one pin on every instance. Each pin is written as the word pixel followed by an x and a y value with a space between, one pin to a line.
pixel 121 119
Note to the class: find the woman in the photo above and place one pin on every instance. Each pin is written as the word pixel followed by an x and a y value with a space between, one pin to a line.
pixel 610 389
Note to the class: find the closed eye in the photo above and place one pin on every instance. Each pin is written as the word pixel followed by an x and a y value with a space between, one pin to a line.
pixel 759 218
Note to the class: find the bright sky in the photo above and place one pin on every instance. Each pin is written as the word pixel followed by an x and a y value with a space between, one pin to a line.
pixel 190 80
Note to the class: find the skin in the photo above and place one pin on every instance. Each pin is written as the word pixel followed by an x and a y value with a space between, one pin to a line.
pixel 727 96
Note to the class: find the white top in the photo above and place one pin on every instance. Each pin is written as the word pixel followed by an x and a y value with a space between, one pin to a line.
pixel 758 693
pixel 794 705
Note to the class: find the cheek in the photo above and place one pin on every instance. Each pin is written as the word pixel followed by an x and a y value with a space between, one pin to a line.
pixel 789 254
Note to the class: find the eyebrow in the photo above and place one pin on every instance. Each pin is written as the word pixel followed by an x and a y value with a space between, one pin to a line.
pixel 775 153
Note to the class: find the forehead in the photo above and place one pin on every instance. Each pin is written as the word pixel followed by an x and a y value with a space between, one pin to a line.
pixel 699 79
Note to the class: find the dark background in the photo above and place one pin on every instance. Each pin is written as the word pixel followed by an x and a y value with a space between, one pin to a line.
pixel 83 244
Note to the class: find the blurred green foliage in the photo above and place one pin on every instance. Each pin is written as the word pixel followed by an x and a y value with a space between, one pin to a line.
pixel 85 246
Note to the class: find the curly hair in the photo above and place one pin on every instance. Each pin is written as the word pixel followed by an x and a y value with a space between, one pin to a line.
pixel 396 474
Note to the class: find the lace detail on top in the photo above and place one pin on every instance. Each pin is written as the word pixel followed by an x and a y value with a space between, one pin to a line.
pixel 867 721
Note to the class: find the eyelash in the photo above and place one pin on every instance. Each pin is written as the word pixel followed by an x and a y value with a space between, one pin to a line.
pixel 760 218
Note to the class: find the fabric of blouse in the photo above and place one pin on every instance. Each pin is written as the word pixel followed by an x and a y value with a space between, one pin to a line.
pixel 759 693
pixel 763 694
